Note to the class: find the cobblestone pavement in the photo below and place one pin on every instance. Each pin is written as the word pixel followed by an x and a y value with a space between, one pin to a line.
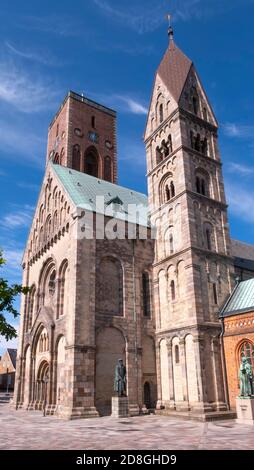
pixel 30 430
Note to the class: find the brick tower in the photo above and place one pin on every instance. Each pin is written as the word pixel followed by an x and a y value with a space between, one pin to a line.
pixel 193 267
pixel 82 136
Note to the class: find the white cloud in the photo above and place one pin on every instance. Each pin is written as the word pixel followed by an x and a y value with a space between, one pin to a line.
pixel 17 140
pixel 132 105
pixel 26 185
pixel 59 25
pixel 12 343
pixel 144 19
pixel 26 93
pixel 133 153
pixel 13 258
pixel 121 102
pixel 19 218
pixel 38 56
pixel 240 201
pixel 241 169
pixel 140 20
pixel 238 130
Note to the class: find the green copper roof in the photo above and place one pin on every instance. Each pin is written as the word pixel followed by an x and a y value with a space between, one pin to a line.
pixel 241 299
pixel 96 195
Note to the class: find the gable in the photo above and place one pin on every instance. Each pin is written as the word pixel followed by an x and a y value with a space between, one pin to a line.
pixel 194 90
pixel 51 213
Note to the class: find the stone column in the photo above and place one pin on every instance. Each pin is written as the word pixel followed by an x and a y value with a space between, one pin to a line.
pixel 158 371
pixel 202 406
pixel 183 405
pixel 171 376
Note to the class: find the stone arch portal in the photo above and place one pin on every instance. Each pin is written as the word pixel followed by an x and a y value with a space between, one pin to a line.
pixel 110 346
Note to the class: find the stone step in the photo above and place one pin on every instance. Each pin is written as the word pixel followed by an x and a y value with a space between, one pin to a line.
pixel 210 416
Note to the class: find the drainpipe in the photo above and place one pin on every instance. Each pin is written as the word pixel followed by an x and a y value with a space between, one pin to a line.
pixel 224 368
pixel 135 312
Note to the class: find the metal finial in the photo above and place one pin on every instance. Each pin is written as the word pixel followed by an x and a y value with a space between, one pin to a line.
pixel 170 29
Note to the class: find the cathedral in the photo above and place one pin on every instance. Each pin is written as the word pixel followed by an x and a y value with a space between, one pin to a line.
pixel 116 274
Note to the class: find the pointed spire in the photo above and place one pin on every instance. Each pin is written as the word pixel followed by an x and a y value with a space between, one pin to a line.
pixel 174 67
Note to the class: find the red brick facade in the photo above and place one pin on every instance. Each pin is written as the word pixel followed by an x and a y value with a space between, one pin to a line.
pixel 80 128
pixel 238 329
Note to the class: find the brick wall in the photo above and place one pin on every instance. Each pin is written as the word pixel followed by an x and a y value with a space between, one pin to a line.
pixel 238 328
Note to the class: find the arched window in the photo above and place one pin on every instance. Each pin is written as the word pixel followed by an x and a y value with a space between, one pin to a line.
pixel 55 221
pixel 205 114
pixel 192 140
pixel 165 149
pixel 197 143
pixel 172 189
pixel 52 283
pixel 30 309
pixel 177 355
pixel 161 112
pixel 195 100
pixel 203 187
pixel 198 184
pixel 91 164
pixel 172 290
pixel 247 350
pixel 48 226
pixel 171 243
pixel 195 104
pixel 93 122
pixel 62 289
pixel 202 182
pixel 146 295
pixel 56 159
pixel 107 169
pixel 170 145
pixel 215 297
pixel 159 156
pixel 208 238
pixel 167 192
pixel 76 157
pixel 204 146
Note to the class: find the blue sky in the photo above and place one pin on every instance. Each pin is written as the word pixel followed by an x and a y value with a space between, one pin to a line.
pixel 109 50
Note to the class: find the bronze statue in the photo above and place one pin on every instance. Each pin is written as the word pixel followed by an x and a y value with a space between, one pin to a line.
pixel 120 379
pixel 245 377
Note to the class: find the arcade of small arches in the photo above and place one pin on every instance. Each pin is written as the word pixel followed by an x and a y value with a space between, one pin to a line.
pixel 92 163
pixel 178 355
pixel 44 371
pixel 51 220
pixel 164 150
pixel 50 292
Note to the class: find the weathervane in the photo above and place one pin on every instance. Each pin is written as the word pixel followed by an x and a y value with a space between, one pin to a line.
pixel 170 29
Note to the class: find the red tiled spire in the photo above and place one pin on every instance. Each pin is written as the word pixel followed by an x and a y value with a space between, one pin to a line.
pixel 174 68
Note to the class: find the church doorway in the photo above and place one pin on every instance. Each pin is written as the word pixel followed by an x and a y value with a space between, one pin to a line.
pixel 110 346
pixel 147 395
pixel 42 383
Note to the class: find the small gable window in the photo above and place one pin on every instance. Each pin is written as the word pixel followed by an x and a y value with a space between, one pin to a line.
pixel 161 112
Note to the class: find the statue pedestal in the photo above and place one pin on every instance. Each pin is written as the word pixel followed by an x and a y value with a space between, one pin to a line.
pixel 120 407
pixel 245 410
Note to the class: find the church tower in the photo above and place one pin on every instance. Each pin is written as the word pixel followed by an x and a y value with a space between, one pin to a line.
pixel 193 268
pixel 82 136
